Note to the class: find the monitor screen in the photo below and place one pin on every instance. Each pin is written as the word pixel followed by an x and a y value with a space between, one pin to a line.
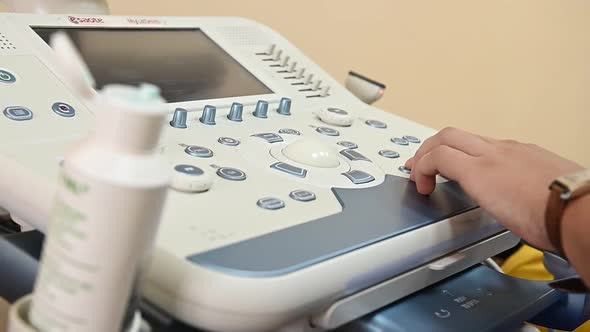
pixel 185 63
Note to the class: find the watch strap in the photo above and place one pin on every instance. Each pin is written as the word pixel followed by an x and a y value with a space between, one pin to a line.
pixel 553 215
pixel 561 191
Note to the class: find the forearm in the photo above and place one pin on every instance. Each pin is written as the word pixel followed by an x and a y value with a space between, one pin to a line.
pixel 576 235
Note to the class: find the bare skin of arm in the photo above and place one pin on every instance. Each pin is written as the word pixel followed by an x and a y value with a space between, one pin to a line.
pixel 509 180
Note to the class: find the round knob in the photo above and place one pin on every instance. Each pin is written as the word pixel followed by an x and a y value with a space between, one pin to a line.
pixel 235 112
pixel 284 106
pixel 179 118
pixel 309 79
pixel 335 116
pixel 208 116
pixel 293 67
pixel 261 109
pixel 313 153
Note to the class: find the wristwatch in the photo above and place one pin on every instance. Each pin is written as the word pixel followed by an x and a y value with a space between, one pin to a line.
pixel 562 191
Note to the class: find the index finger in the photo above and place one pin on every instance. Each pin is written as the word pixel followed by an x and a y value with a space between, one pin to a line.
pixel 451 163
pixel 468 143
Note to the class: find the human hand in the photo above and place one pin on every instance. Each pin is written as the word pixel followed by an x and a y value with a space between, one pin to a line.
pixel 508 179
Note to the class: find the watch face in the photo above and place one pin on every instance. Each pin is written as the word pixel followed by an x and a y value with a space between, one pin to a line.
pixel 577 183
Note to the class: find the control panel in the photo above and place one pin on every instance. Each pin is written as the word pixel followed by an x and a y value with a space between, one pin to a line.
pixel 288 193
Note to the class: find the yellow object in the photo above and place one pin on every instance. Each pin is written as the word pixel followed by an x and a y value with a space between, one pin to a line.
pixel 527 263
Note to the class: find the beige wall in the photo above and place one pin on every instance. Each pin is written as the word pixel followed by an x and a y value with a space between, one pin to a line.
pixel 506 68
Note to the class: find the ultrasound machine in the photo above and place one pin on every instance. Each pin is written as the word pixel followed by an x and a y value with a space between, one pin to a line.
pixel 295 212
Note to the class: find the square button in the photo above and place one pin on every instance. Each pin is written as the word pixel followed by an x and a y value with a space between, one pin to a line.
pixel 18 113
pixel 270 137
pixel 353 155
pixel 359 177
pixel 270 203
pixel 302 195
pixel 290 169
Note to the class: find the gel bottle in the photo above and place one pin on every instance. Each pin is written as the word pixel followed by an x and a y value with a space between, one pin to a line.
pixel 107 208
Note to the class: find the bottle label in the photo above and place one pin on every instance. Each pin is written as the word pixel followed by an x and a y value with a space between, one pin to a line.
pixel 98 240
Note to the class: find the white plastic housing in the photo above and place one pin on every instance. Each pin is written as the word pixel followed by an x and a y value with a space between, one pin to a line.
pixel 58 6
pixel 197 223
pixel 364 89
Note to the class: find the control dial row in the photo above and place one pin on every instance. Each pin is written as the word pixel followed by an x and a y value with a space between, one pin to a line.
pixel 179 119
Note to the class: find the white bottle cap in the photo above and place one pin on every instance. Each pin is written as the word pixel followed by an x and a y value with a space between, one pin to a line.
pixel 129 118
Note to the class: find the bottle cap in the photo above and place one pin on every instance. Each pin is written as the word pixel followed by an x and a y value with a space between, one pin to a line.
pixel 129 118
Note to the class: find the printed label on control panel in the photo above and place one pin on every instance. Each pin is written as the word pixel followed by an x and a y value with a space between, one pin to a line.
pixel 144 21
pixel 85 20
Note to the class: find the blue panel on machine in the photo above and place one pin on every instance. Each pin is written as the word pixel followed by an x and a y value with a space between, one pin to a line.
pixel 479 299
pixel 369 215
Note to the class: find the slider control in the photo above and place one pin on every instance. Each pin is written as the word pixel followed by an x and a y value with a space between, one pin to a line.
pixel 285 61
pixel 317 85
pixel 271 49
pixel 278 55
pixel 301 73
